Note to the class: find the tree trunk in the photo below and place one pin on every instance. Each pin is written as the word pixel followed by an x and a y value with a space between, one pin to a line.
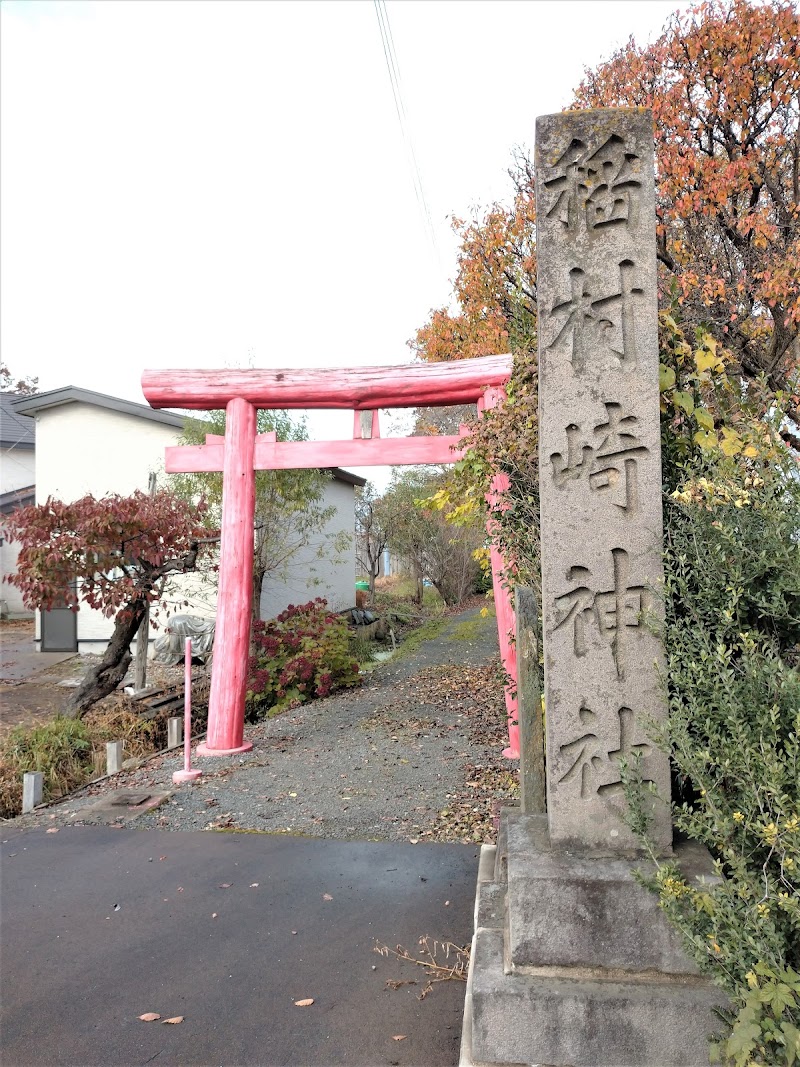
pixel 109 672
pixel 255 608
pixel 142 643
pixel 420 588
pixel 258 585
pixel 143 636
pixel 444 592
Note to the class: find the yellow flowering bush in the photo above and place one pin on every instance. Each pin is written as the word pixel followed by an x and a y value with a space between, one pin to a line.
pixel 732 636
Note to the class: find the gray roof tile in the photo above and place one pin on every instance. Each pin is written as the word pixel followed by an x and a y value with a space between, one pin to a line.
pixel 15 430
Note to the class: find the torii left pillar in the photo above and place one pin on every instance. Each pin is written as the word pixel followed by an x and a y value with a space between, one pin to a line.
pixel 234 603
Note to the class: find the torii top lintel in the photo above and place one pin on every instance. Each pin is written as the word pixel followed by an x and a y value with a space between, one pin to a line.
pixel 355 388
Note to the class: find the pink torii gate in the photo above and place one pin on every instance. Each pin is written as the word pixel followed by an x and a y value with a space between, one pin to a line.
pixel 241 452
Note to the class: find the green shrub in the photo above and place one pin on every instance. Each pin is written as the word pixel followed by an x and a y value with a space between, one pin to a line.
pixel 732 630
pixel 61 749
pixel 303 653
pixel 732 638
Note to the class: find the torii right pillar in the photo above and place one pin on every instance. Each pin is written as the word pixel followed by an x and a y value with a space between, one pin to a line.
pixel 503 605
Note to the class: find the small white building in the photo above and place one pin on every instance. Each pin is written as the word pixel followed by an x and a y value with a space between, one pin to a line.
pixel 326 566
pixel 17 477
pixel 91 443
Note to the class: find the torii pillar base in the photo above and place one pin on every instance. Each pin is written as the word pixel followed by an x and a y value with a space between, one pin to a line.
pixel 181 777
pixel 204 750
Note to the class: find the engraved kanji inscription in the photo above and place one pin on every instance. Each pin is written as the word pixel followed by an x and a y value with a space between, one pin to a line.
pixel 591 763
pixel 593 325
pixel 613 611
pixel 609 463
pixel 600 477
pixel 593 190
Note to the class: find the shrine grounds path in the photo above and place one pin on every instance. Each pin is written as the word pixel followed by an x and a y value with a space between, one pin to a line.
pixel 413 754
pixel 102 924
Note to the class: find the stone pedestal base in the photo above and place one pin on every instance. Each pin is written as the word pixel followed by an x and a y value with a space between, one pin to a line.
pixel 574 965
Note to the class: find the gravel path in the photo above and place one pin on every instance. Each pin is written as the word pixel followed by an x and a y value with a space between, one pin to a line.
pixel 414 753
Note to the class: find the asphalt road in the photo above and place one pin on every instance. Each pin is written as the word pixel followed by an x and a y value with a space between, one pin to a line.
pixel 228 930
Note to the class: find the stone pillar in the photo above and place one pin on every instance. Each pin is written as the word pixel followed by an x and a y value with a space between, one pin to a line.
pixel 600 469
pixel 174 731
pixel 32 784
pixel 114 756
pixel 575 963
pixel 531 733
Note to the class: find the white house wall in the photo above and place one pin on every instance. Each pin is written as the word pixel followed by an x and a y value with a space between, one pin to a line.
pixel 17 471
pixel 86 449
pixel 17 468
pixel 308 576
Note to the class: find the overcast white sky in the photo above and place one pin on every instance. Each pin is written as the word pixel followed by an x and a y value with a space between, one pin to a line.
pixel 209 184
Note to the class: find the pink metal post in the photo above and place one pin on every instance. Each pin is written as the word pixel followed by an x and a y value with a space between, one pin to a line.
pixel 232 638
pixel 187 774
pixel 506 623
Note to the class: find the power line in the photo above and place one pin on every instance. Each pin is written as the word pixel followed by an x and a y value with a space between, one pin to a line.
pixel 393 68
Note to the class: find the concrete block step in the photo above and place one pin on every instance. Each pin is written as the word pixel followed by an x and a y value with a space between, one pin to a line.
pixel 490 905
pixel 579 910
pixel 563 1022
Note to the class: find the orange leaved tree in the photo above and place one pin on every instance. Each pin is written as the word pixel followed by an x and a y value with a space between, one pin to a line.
pixel 724 86
pixel 723 82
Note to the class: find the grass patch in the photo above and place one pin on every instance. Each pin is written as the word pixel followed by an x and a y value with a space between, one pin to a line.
pixel 361 649
pixel 396 596
pixel 469 629
pixel 60 749
pixel 427 632
pixel 71 752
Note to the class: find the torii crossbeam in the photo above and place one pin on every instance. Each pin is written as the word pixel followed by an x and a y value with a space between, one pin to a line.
pixel 241 452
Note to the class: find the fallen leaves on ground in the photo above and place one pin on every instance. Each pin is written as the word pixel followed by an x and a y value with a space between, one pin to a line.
pixel 327 896
pixel 149 1016
pixel 222 822
pixel 399 1037
pixel 304 1003
pixel 475 696
pixel 174 1020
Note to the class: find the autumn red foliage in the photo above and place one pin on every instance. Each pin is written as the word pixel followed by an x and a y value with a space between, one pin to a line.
pixel 119 548
pixel 301 654
pixel 495 283
pixel 115 554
